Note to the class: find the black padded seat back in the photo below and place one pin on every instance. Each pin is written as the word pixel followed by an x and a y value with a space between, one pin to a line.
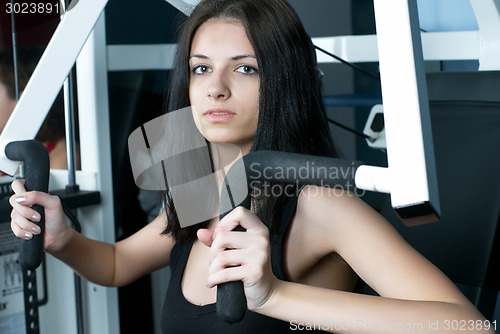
pixel 465 116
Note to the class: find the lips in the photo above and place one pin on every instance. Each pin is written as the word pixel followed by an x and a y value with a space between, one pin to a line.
pixel 218 115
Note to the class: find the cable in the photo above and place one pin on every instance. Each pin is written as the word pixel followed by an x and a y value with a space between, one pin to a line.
pixel 74 221
pixel 14 49
pixel 361 134
pixel 357 68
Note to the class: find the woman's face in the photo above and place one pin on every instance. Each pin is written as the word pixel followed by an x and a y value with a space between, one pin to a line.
pixel 224 84
pixel 6 106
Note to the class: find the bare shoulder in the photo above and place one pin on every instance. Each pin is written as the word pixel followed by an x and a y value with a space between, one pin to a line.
pixel 325 218
pixel 336 214
pixel 342 223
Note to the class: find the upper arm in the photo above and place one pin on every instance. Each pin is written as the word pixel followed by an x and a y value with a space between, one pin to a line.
pixel 374 249
pixel 143 252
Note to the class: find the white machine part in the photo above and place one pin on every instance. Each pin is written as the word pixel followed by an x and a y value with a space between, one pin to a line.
pixel 482 44
pixel 375 128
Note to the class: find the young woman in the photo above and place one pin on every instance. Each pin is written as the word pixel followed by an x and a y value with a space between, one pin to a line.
pixel 248 69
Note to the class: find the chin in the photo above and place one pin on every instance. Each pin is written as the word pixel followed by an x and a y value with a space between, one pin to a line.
pixel 219 136
pixel 220 141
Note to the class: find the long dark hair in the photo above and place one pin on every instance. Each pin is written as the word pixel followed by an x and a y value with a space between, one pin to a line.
pixel 292 116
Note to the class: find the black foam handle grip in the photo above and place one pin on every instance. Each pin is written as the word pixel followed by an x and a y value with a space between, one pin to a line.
pixel 36 174
pixel 231 303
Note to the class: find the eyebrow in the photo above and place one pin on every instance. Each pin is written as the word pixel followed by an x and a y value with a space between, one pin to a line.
pixel 237 57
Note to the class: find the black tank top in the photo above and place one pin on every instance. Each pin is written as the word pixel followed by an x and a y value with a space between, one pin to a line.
pixel 179 316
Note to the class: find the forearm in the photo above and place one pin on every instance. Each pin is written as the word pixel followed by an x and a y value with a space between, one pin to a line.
pixel 343 312
pixel 91 259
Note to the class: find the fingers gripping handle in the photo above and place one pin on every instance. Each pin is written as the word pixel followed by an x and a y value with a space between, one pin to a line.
pixel 231 300
pixel 36 172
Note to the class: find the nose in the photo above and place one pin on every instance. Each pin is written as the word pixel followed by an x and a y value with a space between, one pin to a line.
pixel 218 88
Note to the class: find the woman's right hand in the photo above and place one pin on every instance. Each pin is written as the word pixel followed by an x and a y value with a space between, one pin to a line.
pixel 57 231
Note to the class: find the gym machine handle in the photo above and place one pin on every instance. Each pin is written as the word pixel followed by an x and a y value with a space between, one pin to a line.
pixel 285 167
pixel 231 300
pixel 36 172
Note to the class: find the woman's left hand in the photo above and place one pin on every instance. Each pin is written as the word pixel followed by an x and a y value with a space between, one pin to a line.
pixel 247 254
